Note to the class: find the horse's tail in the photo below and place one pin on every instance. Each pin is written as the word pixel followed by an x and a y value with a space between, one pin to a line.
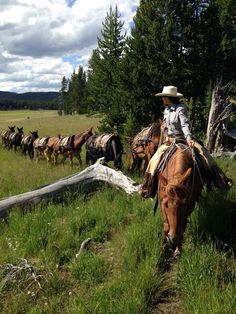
pixel 113 145
pixel 117 151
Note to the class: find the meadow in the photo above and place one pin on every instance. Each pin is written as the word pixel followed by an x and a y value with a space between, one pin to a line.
pixel 123 269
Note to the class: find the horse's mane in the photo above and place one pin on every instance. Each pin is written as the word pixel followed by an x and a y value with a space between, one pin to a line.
pixel 84 133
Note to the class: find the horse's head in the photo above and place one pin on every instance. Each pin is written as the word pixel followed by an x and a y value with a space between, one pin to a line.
pixel 174 195
pixel 20 130
pixel 34 135
pixel 12 128
pixel 88 133
pixel 80 139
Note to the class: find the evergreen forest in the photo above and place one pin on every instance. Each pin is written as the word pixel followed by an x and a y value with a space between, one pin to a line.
pixel 189 44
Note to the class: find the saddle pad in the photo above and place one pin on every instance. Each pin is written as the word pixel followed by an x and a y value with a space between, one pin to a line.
pixel 65 141
pixel 12 136
pixel 26 139
pixel 102 140
pixel 143 134
pixel 41 142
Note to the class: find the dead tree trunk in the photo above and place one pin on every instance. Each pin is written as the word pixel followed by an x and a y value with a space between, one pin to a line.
pixel 218 117
pixel 80 182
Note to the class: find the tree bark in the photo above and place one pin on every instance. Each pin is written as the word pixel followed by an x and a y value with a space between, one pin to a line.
pixel 81 182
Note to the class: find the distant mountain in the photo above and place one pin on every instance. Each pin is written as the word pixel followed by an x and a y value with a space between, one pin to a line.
pixel 32 96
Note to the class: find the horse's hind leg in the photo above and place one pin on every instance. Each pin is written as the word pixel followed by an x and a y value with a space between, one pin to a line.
pixel 47 153
pixel 55 157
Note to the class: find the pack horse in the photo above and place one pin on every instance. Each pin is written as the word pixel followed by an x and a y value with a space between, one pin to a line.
pixel 105 145
pixel 68 147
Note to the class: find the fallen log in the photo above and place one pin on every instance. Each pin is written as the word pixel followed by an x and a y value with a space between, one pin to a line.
pixel 79 182
pixel 228 154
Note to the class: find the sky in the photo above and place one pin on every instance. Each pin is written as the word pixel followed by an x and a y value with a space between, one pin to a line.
pixel 43 40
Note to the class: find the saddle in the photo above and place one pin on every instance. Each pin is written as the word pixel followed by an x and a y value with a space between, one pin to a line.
pixel 149 187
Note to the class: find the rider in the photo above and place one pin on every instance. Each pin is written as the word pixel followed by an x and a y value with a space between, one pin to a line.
pixel 177 124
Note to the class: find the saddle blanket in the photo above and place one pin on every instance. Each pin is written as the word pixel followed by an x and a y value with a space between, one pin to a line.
pixel 101 140
pixel 41 142
pixel 65 142
pixel 142 135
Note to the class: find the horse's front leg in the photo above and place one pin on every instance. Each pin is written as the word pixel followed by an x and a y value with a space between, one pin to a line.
pixel 70 155
pixel 79 159
pixel 88 160
pixel 55 157
pixel 145 165
pixel 36 155
pixel 131 164
pixel 165 223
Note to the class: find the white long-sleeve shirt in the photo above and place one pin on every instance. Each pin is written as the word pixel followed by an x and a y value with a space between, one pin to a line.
pixel 177 120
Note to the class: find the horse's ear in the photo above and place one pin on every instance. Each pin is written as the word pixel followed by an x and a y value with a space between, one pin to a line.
pixel 186 175
pixel 163 179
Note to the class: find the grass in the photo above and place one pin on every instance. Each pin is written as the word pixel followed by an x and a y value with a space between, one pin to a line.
pixel 121 271
pixel 47 122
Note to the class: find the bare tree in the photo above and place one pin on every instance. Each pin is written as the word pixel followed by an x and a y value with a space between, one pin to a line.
pixel 218 117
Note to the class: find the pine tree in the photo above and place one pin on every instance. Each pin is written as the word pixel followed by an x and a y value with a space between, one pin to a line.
pixel 63 96
pixel 94 83
pixel 81 90
pixel 104 76
pixel 145 56
pixel 178 42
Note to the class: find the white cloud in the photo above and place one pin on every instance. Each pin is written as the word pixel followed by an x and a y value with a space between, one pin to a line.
pixel 37 38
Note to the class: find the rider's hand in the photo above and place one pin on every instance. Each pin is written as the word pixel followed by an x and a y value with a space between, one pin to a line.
pixel 190 142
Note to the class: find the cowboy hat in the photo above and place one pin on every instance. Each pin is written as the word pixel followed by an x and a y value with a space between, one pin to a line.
pixel 169 91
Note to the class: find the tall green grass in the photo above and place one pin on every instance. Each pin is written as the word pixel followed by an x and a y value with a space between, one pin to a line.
pixel 207 268
pixel 122 269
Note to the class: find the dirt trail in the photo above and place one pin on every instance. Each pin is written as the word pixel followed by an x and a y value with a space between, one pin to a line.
pixel 171 300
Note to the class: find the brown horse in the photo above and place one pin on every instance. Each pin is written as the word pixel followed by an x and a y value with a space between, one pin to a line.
pixel 68 147
pixel 143 147
pixel 180 185
pixel 51 143
pixel 6 134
